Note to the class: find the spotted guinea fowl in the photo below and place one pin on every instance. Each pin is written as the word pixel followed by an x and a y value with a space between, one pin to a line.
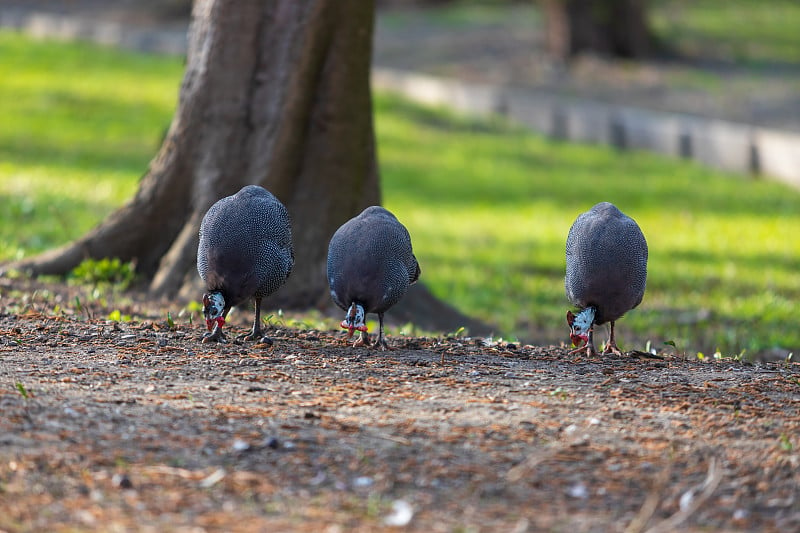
pixel 245 253
pixel 606 272
pixel 370 266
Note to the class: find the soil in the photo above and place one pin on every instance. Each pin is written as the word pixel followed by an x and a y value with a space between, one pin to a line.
pixel 138 426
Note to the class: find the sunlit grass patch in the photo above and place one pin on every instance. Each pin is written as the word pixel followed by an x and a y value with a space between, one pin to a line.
pixel 487 203
pixel 753 31
pixel 489 207
pixel 80 124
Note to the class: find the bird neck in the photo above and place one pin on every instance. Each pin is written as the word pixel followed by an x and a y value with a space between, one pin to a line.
pixel 584 319
pixel 354 319
pixel 213 304
pixel 355 315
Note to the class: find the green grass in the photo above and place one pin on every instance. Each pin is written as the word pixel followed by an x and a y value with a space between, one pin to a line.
pixel 488 205
pixel 748 31
pixel 79 126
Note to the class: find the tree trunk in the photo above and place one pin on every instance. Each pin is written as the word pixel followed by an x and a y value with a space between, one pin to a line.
pixel 275 93
pixel 616 28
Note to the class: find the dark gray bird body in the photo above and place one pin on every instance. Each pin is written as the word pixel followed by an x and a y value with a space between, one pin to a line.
pixel 370 264
pixel 245 252
pixel 606 265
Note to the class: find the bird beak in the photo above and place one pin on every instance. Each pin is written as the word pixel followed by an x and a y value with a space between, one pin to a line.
pixel 578 339
pixel 346 324
pixel 211 321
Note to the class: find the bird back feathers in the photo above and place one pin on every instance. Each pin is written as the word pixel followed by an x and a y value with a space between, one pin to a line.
pixel 606 262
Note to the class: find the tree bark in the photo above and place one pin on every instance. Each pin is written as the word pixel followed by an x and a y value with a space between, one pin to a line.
pixel 616 28
pixel 275 93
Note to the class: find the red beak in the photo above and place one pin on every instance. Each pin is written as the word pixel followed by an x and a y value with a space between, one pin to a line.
pixel 578 339
pixel 350 329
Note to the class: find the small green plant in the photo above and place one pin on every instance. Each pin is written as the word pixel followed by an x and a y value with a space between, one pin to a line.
pixel 559 393
pixel 458 333
pixel 170 322
pixel 104 271
pixel 117 316
pixel 192 308
pixel 677 352
pixel 375 506
pixel 719 356
pixel 785 444
pixel 22 390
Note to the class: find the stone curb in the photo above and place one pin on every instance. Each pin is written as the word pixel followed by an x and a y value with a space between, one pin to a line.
pixel 49 25
pixel 715 143
pixel 719 144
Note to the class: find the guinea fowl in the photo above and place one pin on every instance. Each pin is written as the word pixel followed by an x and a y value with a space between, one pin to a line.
pixel 606 272
pixel 245 253
pixel 370 266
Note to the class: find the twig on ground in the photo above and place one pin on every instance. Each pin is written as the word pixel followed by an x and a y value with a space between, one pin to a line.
pixel 712 481
pixel 532 461
pixel 651 502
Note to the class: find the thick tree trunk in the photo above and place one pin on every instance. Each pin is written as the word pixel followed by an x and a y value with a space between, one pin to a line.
pixel 277 94
pixel 617 28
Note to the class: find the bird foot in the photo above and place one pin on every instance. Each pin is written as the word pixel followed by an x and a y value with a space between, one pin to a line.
pixel 382 345
pixel 588 349
pixel 252 336
pixel 255 336
pixel 215 336
pixel 612 348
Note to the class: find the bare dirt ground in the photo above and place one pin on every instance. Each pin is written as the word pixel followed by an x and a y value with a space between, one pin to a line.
pixel 137 426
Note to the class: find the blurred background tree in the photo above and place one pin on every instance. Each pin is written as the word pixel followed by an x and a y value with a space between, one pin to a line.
pixel 617 28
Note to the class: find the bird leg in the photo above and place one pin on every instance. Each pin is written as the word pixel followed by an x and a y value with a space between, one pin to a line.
pixel 611 345
pixel 589 347
pixel 255 333
pixel 363 340
pixel 381 342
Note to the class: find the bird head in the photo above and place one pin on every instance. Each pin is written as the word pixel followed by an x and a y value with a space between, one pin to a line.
pixel 580 325
pixel 213 309
pixel 354 320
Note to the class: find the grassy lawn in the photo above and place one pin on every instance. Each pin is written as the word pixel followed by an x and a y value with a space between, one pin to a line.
pixel 79 126
pixel 488 204
pixel 746 31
